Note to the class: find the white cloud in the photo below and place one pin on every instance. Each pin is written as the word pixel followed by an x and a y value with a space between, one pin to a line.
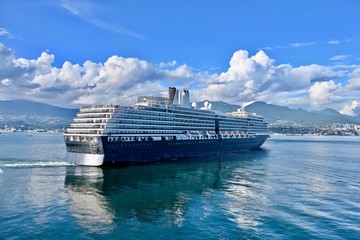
pixel 352 109
pixel 120 80
pixel 252 78
pixel 322 92
pixel 339 57
pixel 42 65
pixel 6 58
pixel 305 44
pixel 117 80
pixel 6 82
pixel 334 42
pixel 245 76
pixel 168 64
pixel 291 45
pixel 5 33
pixel 353 84
pixel 89 12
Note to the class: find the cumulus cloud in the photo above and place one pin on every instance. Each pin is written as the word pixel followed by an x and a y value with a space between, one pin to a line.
pixel 354 81
pixel 6 57
pixel 168 64
pixel 352 109
pixel 120 80
pixel 251 78
pixel 6 82
pixel 117 80
pixel 322 92
pixel 245 76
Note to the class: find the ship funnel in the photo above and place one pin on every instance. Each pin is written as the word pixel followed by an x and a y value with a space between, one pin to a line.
pixel 179 98
pixel 172 92
pixel 185 98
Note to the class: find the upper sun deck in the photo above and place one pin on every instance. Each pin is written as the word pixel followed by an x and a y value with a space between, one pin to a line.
pixel 113 108
pixel 103 108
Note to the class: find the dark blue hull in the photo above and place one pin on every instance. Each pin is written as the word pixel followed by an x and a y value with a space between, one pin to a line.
pixel 154 151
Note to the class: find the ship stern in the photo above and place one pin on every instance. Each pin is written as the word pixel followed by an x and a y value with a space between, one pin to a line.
pixel 85 159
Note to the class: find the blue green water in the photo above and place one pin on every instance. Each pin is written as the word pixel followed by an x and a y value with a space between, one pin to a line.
pixel 292 188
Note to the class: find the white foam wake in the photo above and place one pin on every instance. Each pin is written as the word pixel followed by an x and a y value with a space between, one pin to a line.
pixel 34 164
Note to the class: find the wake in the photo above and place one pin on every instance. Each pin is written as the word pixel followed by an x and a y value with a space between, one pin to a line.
pixel 33 164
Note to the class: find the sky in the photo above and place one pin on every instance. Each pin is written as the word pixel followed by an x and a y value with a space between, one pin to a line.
pixel 69 53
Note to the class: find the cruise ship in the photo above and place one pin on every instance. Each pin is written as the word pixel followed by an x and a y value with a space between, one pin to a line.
pixel 159 129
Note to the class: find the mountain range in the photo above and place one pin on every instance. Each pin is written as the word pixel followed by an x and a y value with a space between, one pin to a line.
pixel 288 116
pixel 27 114
pixel 277 114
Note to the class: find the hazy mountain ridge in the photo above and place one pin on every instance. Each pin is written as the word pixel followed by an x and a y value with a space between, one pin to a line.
pixel 280 114
pixel 273 113
pixel 27 114
pixel 34 108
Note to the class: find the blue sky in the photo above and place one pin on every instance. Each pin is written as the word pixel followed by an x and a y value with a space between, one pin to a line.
pixel 295 53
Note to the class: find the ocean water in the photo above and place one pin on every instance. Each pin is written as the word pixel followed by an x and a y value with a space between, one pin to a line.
pixel 291 188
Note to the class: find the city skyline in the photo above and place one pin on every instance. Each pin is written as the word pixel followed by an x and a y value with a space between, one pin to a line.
pixel 69 53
